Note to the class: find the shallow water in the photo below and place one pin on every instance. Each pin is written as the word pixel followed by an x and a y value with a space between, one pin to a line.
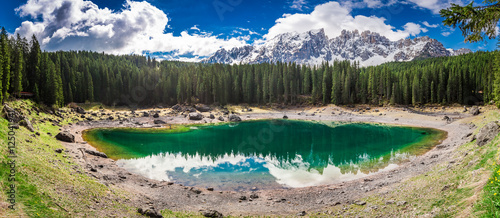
pixel 264 154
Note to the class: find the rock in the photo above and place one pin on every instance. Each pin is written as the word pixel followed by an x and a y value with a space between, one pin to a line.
pixel 212 116
pixel 254 196
pixel 156 115
pixel 195 116
pixel 441 146
pixel 176 107
pixel 475 111
pixel 190 109
pixel 202 108
pixel 243 198
pixel 111 118
pixel 59 150
pixel 14 126
pixel 446 118
pixel 80 110
pixel 303 213
pixel 160 122
pixel 234 118
pixel 96 153
pixel 360 203
pixel 26 123
pixel 145 114
pixel 221 118
pixel 12 115
pixel 401 203
pixel 210 188
pixel 151 212
pixel 212 213
pixel 196 191
pixel 249 109
pixel 390 202
pixel 65 137
pixel 434 156
pixel 487 133
pixel 285 117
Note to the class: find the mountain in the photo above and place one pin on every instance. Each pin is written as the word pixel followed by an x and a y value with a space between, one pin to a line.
pixel 314 47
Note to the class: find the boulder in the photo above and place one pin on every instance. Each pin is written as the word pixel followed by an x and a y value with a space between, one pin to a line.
pixel 212 213
pixel 234 118
pixel 156 115
pixel 65 137
pixel 212 116
pixel 202 108
pixel 145 114
pixel 221 118
pixel 475 111
pixel 160 122
pixel 195 116
pixel 12 115
pixel 487 133
pixel 80 110
pixel 96 153
pixel 285 117
pixel 26 123
pixel 176 107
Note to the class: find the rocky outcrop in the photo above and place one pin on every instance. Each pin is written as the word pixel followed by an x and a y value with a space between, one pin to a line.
pixel 195 116
pixel 65 137
pixel 487 133
pixel 12 115
pixel 234 118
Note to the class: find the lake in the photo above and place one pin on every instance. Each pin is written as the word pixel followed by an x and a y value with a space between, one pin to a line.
pixel 266 154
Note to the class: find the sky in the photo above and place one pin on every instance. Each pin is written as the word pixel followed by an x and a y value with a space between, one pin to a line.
pixel 190 30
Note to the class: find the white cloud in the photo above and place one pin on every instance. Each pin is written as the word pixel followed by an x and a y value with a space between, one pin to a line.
pixel 435 5
pixel 430 25
pixel 299 4
pixel 334 17
pixel 446 34
pixel 138 27
pixel 195 27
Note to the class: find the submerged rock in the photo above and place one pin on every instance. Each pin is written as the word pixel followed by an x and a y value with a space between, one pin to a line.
pixel 487 133
pixel 65 137
pixel 195 116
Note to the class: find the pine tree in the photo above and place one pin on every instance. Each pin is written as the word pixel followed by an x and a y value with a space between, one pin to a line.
pixel 5 62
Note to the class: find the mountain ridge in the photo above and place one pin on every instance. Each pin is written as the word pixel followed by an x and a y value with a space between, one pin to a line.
pixel 314 47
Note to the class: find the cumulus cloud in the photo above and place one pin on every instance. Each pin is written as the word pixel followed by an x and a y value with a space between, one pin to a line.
pixel 435 5
pixel 334 17
pixel 138 27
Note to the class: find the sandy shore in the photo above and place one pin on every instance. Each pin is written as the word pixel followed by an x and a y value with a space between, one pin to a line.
pixel 161 195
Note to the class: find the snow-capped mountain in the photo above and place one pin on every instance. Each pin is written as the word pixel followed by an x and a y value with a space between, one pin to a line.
pixel 314 47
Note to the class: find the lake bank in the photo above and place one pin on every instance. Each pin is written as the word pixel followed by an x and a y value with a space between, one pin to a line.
pixel 319 198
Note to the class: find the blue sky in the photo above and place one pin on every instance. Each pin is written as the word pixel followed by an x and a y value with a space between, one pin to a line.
pixel 191 30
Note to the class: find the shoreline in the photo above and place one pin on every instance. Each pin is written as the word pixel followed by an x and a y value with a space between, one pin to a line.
pixel 270 202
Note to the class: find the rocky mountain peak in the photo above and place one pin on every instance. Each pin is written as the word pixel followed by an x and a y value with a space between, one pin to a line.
pixel 314 47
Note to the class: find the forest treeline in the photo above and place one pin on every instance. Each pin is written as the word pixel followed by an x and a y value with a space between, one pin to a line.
pixel 58 78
